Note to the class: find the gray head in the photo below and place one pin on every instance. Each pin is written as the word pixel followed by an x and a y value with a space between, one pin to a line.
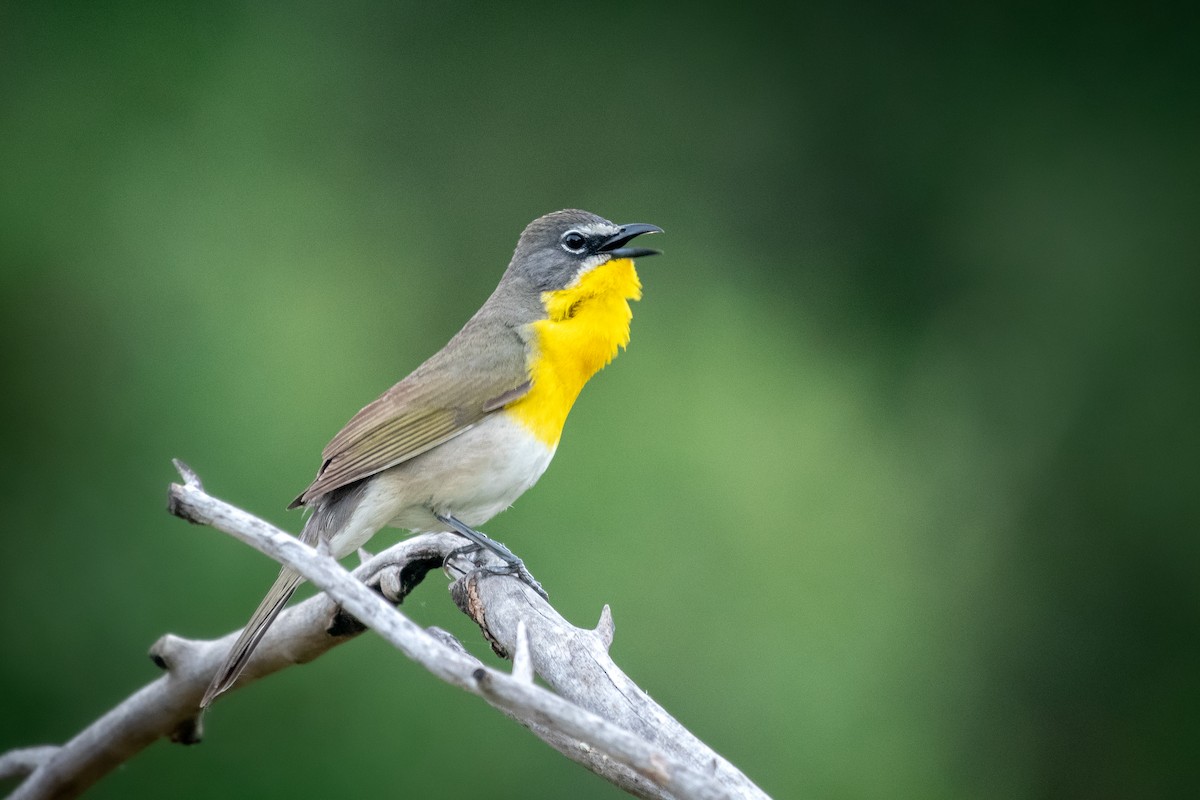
pixel 556 249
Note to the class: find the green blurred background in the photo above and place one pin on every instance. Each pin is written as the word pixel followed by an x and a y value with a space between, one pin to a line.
pixel 893 495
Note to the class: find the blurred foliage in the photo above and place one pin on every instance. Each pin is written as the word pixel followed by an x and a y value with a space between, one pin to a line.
pixel 893 495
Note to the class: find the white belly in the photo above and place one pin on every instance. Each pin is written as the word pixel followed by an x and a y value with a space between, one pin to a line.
pixel 473 477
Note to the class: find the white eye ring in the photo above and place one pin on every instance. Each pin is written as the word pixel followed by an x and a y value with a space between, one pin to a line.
pixel 574 242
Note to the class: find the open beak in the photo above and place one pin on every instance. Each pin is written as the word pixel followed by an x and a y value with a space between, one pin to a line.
pixel 615 244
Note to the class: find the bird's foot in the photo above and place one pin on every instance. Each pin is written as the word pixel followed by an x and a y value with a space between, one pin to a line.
pixel 512 564
pixel 522 573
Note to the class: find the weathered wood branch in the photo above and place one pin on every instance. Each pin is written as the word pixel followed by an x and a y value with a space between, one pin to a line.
pixel 594 713
pixel 169 707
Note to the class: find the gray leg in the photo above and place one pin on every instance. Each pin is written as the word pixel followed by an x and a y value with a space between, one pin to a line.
pixel 512 564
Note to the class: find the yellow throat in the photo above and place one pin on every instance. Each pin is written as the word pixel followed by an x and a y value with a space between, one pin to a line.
pixel 585 325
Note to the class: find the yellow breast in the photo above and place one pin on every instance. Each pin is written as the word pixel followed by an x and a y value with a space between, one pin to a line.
pixel 585 325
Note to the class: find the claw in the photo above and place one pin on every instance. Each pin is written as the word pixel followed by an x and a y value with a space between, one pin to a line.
pixel 512 564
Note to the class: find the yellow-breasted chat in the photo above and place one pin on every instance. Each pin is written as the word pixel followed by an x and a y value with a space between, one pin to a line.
pixel 462 437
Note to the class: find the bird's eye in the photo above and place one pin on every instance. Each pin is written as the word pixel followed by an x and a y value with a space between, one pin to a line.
pixel 574 242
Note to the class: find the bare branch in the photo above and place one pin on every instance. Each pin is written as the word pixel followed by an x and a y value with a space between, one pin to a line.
pixel 595 715
pixel 169 706
pixel 576 664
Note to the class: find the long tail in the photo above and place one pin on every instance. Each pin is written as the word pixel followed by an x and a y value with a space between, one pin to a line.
pixel 239 655
pixel 277 597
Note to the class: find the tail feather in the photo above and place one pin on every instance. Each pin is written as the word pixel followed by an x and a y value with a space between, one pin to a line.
pixel 239 655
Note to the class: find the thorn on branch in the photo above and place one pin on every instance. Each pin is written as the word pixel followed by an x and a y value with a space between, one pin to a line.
pixel 522 668
pixel 605 628
pixel 190 478
pixel 175 504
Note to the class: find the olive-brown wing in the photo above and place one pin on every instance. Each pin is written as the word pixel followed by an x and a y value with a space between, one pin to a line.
pixel 473 376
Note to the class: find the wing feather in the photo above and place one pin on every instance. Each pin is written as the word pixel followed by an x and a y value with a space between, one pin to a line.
pixel 482 370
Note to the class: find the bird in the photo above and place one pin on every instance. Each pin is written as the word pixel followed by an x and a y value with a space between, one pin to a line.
pixel 473 427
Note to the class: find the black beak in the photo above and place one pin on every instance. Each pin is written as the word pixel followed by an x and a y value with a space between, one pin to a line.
pixel 615 244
